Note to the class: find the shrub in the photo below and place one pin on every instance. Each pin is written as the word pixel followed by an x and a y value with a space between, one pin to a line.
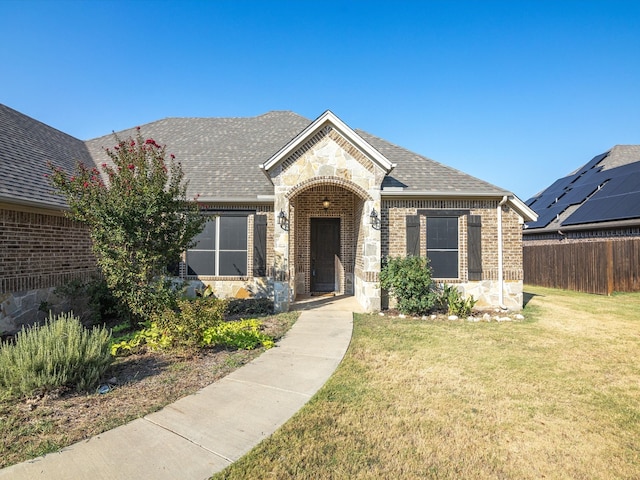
pixel 194 316
pixel 241 334
pixel 102 303
pixel 408 280
pixel 450 299
pixel 150 336
pixel 60 353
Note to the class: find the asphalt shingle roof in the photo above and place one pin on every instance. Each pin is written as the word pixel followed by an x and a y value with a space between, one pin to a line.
pixel 26 145
pixel 416 173
pixel 221 157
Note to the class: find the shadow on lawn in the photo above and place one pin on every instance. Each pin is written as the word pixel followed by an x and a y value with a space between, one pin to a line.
pixel 527 297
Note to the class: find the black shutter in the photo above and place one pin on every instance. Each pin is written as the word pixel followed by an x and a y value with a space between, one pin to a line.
pixel 259 245
pixel 413 235
pixel 474 246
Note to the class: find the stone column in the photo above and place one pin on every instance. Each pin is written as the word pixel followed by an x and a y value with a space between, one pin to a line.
pixel 280 270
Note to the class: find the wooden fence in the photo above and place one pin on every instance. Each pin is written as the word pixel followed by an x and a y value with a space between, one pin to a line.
pixel 602 267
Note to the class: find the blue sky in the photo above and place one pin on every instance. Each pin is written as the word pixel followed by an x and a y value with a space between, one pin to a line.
pixel 518 93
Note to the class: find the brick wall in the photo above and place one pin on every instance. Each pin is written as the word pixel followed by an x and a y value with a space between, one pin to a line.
pixel 308 204
pixel 40 249
pixel 394 233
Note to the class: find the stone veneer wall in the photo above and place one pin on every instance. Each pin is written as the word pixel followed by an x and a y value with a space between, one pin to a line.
pixel 328 160
pixel 486 291
pixel 39 251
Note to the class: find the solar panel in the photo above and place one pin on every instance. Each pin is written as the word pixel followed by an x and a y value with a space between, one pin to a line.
pixel 601 195
pixel 619 207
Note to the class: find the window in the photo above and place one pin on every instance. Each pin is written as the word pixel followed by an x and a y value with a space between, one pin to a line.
pixel 221 248
pixel 442 246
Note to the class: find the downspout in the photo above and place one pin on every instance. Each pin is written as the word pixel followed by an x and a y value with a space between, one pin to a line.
pixel 500 255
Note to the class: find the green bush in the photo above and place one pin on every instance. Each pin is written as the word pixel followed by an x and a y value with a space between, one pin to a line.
pixel 149 337
pixel 138 216
pixel 194 316
pixel 408 280
pixel 60 353
pixel 200 322
pixel 241 334
pixel 101 301
pixel 450 299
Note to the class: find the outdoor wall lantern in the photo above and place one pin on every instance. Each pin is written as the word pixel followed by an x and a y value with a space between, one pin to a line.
pixel 375 219
pixel 326 203
pixel 282 220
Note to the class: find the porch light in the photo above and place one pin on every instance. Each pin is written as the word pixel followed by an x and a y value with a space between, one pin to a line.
pixel 282 220
pixel 326 203
pixel 375 219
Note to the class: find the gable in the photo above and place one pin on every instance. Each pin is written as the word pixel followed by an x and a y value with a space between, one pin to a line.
pixel 328 156
pixel 327 125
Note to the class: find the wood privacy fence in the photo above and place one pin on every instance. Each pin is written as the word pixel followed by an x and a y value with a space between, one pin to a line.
pixel 602 267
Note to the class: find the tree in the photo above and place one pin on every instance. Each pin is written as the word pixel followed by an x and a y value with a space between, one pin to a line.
pixel 138 216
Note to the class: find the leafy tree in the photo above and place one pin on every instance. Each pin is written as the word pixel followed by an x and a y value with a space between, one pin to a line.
pixel 138 216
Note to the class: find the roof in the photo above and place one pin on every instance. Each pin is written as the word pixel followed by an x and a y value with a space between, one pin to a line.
pixel 26 146
pixel 605 192
pixel 221 157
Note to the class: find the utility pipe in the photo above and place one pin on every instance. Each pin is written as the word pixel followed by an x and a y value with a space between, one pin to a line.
pixel 500 255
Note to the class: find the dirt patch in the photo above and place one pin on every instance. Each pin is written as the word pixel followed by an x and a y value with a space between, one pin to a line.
pixel 134 386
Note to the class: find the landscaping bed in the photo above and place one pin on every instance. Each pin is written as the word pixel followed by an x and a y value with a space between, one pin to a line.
pixel 134 386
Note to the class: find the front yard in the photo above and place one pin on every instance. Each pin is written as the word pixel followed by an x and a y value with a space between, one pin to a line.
pixel 554 396
pixel 142 383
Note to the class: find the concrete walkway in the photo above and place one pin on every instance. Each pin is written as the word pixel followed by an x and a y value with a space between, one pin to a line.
pixel 203 433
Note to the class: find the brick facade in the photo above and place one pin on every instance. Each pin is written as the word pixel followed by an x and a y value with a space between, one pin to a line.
pixel 394 213
pixel 41 250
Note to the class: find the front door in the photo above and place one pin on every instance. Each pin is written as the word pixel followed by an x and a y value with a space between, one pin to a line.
pixel 325 250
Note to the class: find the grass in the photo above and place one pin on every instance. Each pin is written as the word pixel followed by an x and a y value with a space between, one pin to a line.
pixel 554 396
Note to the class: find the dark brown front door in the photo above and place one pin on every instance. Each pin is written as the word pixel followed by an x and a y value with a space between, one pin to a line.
pixel 325 249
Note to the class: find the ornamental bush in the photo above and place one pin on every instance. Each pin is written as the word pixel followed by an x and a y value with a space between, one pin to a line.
pixel 187 325
pixel 139 219
pixel 60 353
pixel 239 334
pixel 408 280
pixel 450 299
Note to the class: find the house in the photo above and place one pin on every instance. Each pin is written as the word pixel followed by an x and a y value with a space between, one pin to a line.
pixel 587 235
pixel 296 207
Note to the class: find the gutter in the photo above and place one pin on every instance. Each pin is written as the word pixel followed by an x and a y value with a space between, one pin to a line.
pixel 260 199
pixel 33 204
pixel 385 192
pixel 500 255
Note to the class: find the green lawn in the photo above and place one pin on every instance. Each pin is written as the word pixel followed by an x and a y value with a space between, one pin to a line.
pixel 554 396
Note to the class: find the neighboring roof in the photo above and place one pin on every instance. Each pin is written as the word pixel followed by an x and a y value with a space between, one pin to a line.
pixel 605 192
pixel 26 146
pixel 221 157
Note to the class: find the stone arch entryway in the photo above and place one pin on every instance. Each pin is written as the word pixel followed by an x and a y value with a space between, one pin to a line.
pixel 328 158
pixel 324 204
